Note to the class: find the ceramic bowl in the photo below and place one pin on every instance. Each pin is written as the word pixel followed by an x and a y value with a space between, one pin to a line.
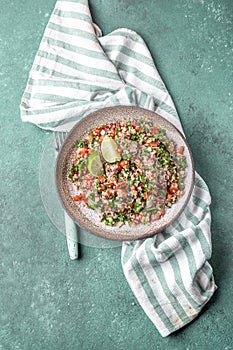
pixel 88 218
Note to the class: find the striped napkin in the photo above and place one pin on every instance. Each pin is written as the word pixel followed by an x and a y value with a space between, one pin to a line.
pixel 77 71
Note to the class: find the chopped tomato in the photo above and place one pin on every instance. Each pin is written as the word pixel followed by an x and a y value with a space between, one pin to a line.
pixel 154 143
pixel 180 150
pixel 145 195
pixel 101 178
pixel 78 197
pixel 96 132
pixel 101 139
pixel 174 187
pixel 162 212
pixel 154 130
pixel 83 151
pixel 169 197
pixel 111 192
pixel 113 131
pixel 123 163
pixel 104 127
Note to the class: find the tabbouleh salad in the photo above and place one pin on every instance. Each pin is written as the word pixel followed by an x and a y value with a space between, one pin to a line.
pixel 128 171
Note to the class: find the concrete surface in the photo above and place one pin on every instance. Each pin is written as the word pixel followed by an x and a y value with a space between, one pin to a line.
pixel 49 302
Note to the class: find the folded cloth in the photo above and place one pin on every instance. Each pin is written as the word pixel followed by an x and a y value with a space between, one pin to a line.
pixel 77 71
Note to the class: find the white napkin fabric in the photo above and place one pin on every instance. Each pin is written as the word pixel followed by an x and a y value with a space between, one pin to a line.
pixel 77 71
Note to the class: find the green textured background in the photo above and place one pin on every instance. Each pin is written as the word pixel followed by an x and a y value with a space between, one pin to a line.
pixel 46 300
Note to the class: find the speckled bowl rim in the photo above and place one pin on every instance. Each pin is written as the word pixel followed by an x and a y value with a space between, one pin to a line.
pixel 87 218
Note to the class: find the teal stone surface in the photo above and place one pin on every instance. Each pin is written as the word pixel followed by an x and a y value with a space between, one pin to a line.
pixel 47 301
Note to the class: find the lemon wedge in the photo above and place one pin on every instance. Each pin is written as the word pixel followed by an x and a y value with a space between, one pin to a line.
pixel 94 164
pixel 109 150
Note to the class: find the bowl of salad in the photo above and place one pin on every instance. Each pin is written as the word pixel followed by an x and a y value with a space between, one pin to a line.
pixel 124 173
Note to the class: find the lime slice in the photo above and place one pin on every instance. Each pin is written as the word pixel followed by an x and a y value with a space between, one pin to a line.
pixel 94 164
pixel 109 150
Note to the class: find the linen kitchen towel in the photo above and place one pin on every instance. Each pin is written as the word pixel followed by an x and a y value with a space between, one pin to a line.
pixel 77 71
